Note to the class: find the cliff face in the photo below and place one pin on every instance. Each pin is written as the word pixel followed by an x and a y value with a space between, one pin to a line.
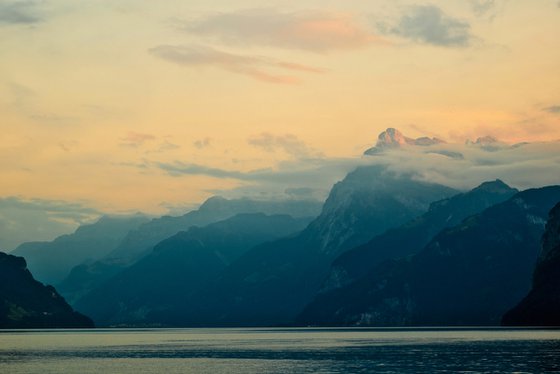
pixel 467 275
pixel 411 237
pixel 541 307
pixel 26 303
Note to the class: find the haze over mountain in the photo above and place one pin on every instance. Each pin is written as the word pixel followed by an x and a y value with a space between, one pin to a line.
pixel 140 241
pixel 414 235
pixel 541 307
pixel 157 288
pixel 470 274
pixel 270 284
pixel 51 262
pixel 26 303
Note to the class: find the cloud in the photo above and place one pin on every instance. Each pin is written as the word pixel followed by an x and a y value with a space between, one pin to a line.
pixel 167 146
pixel 202 143
pixel 68 146
pixel 23 220
pixel 488 9
pixel 26 102
pixel 429 24
pixel 288 143
pixel 482 7
pixel 135 139
pixel 286 180
pixel 257 67
pixel 552 109
pixel 312 30
pixel 19 12
pixel 178 168
pixel 301 192
pixel 524 165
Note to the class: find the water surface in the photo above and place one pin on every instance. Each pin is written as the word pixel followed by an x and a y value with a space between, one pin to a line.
pixel 250 351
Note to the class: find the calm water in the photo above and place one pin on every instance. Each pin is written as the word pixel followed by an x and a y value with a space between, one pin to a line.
pixel 247 351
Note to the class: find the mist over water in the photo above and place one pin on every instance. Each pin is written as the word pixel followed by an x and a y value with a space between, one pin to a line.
pixel 280 351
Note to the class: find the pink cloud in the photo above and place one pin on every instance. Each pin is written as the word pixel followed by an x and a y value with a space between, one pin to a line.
pixel 257 67
pixel 316 31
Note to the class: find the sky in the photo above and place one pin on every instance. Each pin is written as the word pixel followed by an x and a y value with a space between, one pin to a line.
pixel 139 105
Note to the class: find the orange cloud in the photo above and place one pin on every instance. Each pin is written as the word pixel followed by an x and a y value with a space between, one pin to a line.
pixel 256 67
pixel 316 31
pixel 135 139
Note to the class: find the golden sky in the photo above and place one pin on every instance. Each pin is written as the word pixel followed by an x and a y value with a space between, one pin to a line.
pixel 145 105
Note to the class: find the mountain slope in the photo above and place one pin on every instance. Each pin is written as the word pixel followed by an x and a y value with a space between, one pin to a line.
pixel 270 284
pixel 26 303
pixel 155 289
pixel 414 235
pixel 139 242
pixel 50 262
pixel 467 275
pixel 541 307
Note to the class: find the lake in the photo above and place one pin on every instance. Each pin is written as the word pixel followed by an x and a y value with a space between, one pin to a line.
pixel 297 350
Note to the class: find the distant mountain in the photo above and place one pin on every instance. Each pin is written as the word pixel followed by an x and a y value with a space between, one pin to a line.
pixel 155 290
pixel 393 138
pixel 140 241
pixel 50 262
pixel 541 307
pixel 26 303
pixel 271 283
pixel 467 275
pixel 414 235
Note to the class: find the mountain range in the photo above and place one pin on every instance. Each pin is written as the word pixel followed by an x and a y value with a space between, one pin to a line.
pixel 155 289
pixel 271 283
pixel 469 274
pixel 50 262
pixel 139 241
pixel 415 234
pixel 387 248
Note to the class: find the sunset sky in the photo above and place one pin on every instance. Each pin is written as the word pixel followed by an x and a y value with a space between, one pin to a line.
pixel 141 105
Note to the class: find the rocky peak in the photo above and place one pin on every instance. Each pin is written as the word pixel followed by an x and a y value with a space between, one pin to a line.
pixel 393 138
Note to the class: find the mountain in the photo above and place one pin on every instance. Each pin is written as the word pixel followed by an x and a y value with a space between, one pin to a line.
pixel 414 235
pixel 155 289
pixel 393 138
pixel 541 307
pixel 26 303
pixel 50 262
pixel 272 282
pixel 140 241
pixel 469 274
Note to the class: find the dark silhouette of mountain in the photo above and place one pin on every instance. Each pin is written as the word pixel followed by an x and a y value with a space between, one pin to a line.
pixel 271 283
pixel 139 242
pixel 26 303
pixel 50 262
pixel 414 235
pixel 467 275
pixel 541 307
pixel 155 289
